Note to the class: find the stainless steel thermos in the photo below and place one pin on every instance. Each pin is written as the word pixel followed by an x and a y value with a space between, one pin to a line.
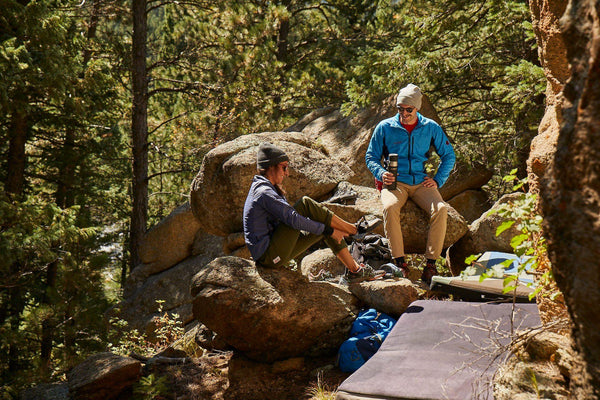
pixel 393 168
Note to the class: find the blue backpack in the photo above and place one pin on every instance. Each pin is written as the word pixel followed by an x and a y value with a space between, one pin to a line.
pixel 368 331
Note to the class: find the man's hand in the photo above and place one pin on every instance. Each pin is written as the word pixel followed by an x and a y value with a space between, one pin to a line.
pixel 388 178
pixel 429 182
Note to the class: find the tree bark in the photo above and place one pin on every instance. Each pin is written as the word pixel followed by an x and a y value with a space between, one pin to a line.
pixel 15 177
pixel 571 200
pixel 139 132
pixel 64 191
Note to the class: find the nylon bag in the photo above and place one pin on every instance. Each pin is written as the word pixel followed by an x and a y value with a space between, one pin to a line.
pixel 368 332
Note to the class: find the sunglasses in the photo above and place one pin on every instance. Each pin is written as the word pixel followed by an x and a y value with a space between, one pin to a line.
pixel 407 109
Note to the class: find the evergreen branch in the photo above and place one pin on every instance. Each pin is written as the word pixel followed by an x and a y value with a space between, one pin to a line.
pixel 167 121
pixel 173 171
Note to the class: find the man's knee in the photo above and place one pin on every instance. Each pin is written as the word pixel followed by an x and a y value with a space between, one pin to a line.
pixel 391 206
pixel 440 210
pixel 303 204
pixel 304 200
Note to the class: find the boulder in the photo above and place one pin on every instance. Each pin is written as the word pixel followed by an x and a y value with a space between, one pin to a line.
pixel 465 177
pixel 233 242
pixel 164 245
pixel 169 241
pixel 171 286
pixel 481 237
pixel 322 259
pixel 471 204
pixel 388 296
pixel 103 376
pixel 271 314
pixel 548 357
pixel 205 243
pixel 207 339
pixel 219 190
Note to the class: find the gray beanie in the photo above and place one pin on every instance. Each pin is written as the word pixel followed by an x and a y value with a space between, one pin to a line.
pixel 268 155
pixel 410 95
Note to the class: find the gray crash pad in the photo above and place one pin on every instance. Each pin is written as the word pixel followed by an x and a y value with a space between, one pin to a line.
pixel 440 350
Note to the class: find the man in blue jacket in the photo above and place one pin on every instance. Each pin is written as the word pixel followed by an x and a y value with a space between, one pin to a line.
pixel 410 135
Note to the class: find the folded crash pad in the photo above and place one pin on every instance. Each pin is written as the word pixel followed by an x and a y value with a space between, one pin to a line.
pixel 440 350
pixel 472 288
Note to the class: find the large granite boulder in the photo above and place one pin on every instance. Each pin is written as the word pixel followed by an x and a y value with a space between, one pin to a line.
pixel 465 177
pixel 164 245
pixel 321 263
pixel 389 296
pixel 169 241
pixel 103 376
pixel 171 286
pixel 481 237
pixel 219 190
pixel 471 204
pixel 271 314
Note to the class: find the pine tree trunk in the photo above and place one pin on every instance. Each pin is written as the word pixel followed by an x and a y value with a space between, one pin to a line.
pixel 139 132
pixel 48 321
pixel 64 192
pixel 14 185
pixel 15 177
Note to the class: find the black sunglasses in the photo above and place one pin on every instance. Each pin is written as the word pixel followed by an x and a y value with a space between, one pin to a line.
pixel 407 109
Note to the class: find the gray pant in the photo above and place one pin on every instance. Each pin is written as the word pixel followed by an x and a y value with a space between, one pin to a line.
pixel 288 243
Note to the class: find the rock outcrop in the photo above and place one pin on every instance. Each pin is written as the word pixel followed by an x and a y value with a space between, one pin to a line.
pixel 271 314
pixel 171 284
pixel 388 296
pixel 548 357
pixel 327 154
pixel 570 188
pixel 481 237
pixel 103 376
pixel 219 190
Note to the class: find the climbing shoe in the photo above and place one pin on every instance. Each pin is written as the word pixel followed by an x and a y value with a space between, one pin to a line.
pixel 392 271
pixel 364 273
pixel 365 225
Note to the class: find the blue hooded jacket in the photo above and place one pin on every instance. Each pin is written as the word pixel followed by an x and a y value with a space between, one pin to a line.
pixel 264 210
pixel 412 149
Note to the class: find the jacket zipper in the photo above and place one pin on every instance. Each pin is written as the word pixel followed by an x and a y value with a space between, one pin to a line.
pixel 410 144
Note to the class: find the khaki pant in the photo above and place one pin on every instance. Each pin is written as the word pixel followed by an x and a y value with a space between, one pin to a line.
pixel 287 243
pixel 430 200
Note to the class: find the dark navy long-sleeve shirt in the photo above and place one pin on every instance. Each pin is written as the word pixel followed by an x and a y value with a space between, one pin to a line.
pixel 264 210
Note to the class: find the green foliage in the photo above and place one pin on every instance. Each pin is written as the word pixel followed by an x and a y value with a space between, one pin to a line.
pixel 168 328
pixel 529 244
pixel 223 69
pixel 151 387
pixel 45 285
pixel 320 390
pixel 478 64
pixel 56 78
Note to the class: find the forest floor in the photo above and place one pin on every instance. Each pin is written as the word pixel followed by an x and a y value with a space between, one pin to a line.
pixel 229 376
